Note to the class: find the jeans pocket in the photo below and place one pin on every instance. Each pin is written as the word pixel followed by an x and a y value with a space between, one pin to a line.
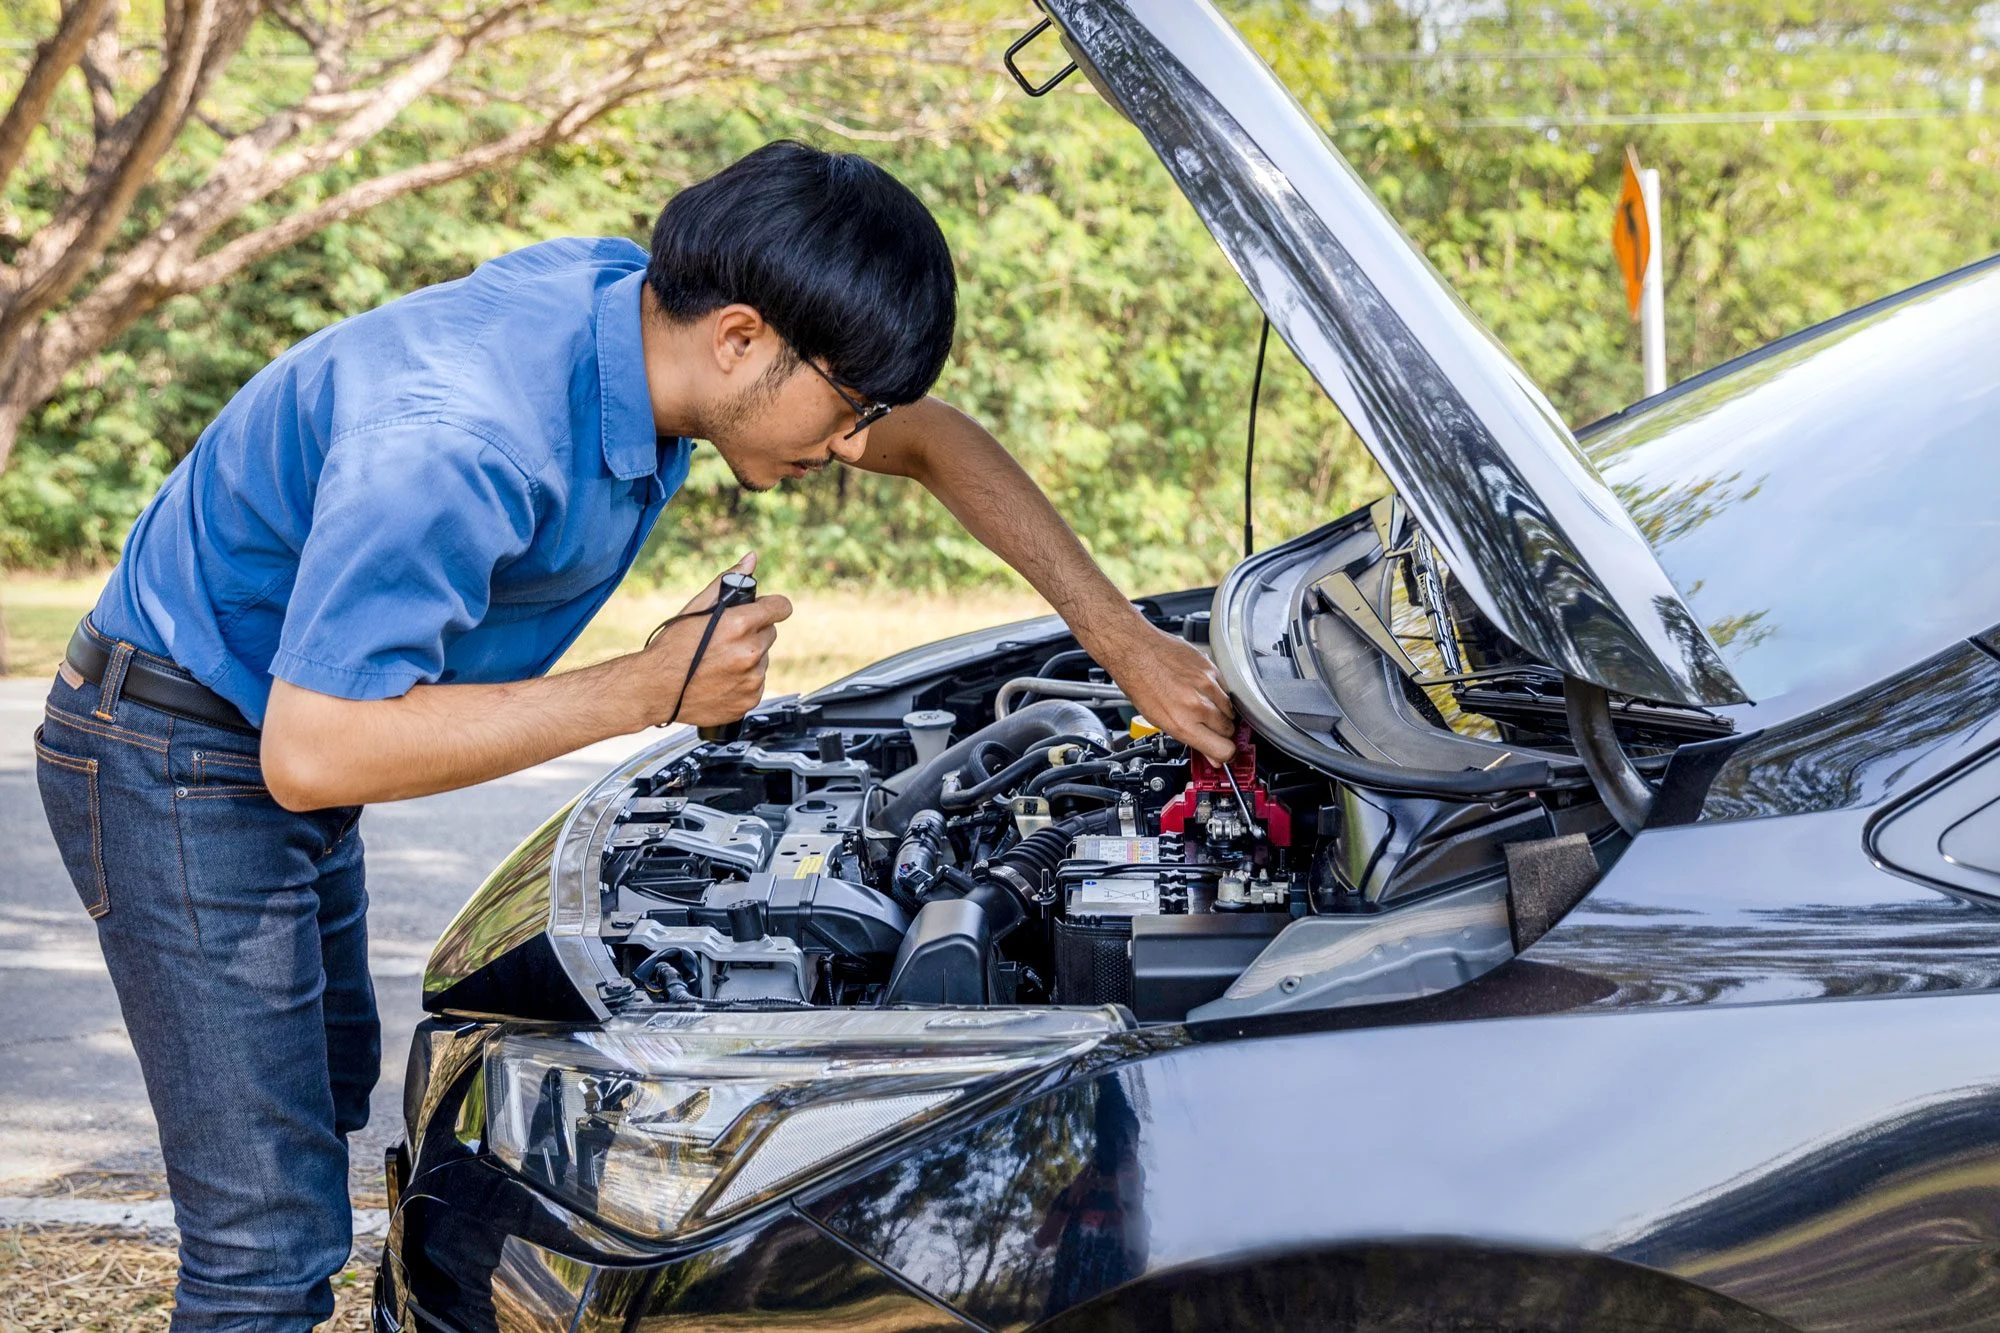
pixel 76 817
pixel 225 772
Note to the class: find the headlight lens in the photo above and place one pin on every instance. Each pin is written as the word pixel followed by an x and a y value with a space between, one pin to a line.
pixel 668 1122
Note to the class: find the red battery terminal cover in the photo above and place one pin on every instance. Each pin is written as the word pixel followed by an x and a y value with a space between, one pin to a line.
pixel 1209 778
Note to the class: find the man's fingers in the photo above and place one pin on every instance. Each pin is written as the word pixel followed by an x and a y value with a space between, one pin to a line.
pixel 764 611
pixel 704 599
pixel 1215 747
pixel 1218 711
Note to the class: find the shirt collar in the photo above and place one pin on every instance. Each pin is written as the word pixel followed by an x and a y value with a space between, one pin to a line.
pixel 631 444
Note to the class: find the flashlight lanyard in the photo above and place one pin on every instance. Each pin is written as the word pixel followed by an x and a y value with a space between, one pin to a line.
pixel 736 590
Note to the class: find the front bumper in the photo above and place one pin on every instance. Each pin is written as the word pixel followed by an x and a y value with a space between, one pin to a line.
pixel 471 1247
pixel 500 1256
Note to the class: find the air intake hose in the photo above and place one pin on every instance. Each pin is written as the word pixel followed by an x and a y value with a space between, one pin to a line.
pixel 1027 865
pixel 1014 880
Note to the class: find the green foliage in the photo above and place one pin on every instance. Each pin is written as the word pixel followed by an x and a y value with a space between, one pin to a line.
pixel 1102 334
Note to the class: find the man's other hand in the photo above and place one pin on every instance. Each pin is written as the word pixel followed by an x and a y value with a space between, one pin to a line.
pixel 729 680
pixel 1175 687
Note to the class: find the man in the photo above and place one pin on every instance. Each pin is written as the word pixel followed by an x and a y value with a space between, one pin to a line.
pixel 351 589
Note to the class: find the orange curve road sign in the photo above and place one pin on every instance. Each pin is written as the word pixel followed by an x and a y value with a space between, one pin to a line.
pixel 1631 238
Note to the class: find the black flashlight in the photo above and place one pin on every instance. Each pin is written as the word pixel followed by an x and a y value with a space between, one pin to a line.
pixel 735 590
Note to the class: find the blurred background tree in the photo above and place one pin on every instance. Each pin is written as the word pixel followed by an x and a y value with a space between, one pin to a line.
pixel 156 149
pixel 1814 157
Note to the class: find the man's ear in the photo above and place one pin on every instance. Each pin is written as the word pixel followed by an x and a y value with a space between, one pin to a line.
pixel 740 333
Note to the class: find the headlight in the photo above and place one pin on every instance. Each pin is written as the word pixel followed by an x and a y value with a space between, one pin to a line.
pixel 666 1123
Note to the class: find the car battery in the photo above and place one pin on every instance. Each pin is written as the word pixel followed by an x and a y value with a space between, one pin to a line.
pixel 1093 938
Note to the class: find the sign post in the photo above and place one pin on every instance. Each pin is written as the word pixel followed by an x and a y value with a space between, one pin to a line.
pixel 1635 232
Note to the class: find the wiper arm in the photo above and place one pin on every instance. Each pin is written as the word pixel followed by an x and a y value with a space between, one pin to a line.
pixel 1423 559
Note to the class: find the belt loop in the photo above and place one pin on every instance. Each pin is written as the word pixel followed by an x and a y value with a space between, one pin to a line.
pixel 112 687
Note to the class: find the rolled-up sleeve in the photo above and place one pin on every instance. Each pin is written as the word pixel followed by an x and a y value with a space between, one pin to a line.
pixel 410 522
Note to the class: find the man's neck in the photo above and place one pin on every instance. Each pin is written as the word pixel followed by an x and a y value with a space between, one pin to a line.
pixel 668 385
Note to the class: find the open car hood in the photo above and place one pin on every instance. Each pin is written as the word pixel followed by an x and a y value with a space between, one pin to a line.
pixel 1475 450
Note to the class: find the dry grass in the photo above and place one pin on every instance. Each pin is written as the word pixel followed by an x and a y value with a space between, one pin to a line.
pixel 39 614
pixel 90 1278
pixel 84 1280
pixel 830 634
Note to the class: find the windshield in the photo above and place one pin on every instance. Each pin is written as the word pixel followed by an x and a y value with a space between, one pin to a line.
pixel 1827 507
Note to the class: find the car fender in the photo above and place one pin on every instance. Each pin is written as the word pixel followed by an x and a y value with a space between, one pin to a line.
pixel 1833 1163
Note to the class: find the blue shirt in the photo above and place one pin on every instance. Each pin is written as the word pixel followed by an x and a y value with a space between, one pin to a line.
pixel 442 489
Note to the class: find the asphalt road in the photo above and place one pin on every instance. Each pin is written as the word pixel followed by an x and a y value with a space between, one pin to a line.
pixel 71 1098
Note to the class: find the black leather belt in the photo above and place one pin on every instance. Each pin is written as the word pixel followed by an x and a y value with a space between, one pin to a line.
pixel 167 688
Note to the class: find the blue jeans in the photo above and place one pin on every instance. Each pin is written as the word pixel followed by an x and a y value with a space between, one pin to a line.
pixel 236 936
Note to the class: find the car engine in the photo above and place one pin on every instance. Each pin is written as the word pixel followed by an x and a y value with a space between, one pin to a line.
pixel 1049 856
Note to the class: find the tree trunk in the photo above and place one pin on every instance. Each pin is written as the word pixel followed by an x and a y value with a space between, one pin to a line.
pixel 13 411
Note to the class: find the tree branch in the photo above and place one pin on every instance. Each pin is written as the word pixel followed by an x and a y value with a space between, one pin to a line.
pixel 611 52
pixel 243 251
pixel 53 59
pixel 64 250
pixel 100 74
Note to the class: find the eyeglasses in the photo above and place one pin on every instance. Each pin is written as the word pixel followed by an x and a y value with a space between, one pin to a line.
pixel 865 414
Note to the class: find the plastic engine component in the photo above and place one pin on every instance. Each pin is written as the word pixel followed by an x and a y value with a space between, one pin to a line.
pixel 766 968
pixel 944 957
pixel 919 858
pixel 818 911
pixel 1179 962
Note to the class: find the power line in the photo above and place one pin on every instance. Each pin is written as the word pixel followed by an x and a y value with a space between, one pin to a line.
pixel 1680 118
pixel 1600 54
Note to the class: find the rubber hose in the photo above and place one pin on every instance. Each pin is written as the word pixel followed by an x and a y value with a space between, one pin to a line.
pixel 1051 717
pixel 1626 794
pixel 1028 766
pixel 1060 660
pixel 1030 763
pixel 1083 791
pixel 1024 866
pixel 1065 773
pixel 978 768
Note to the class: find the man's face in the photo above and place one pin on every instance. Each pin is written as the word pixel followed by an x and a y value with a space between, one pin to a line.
pixel 788 423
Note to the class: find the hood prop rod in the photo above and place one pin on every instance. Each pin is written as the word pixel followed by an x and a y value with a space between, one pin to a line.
pixel 1624 791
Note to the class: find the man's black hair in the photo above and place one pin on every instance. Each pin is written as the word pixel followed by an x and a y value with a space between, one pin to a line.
pixel 836 254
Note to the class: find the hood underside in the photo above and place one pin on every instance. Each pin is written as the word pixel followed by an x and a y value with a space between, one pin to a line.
pixel 1494 477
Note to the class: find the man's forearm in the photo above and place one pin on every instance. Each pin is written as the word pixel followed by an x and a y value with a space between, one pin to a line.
pixel 320 751
pixel 1164 677
pixel 437 737
pixel 975 477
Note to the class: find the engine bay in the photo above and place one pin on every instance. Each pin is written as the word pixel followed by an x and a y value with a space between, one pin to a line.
pixel 993 825
pixel 1044 859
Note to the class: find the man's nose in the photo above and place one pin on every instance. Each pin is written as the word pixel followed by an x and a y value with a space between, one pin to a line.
pixel 850 449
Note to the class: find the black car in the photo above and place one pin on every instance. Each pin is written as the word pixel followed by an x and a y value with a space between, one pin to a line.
pixel 1598 928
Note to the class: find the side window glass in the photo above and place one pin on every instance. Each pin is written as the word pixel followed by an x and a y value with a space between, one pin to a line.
pixel 1949 832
